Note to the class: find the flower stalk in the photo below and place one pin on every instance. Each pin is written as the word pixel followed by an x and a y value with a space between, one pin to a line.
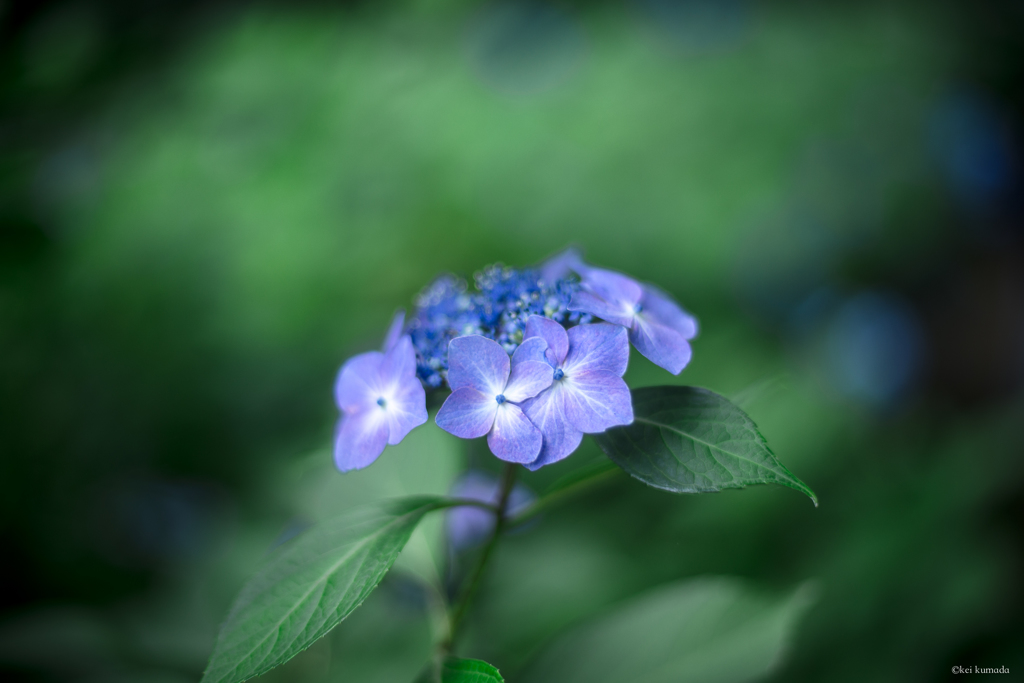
pixel 472 584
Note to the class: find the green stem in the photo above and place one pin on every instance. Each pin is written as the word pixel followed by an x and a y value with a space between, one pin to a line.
pixel 472 584
pixel 575 484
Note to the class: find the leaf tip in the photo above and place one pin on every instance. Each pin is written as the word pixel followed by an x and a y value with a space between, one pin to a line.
pixel 811 494
pixel 806 490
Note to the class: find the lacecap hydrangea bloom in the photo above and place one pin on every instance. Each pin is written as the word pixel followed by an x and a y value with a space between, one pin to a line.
pixel 534 359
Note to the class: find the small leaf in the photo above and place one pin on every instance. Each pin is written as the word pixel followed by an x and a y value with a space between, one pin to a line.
pixel 703 630
pixel 457 670
pixel 691 440
pixel 309 585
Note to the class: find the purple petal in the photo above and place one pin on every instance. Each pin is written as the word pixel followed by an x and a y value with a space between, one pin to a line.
pixel 595 401
pixel 615 288
pixel 467 413
pixel 399 363
pixel 662 345
pixel 360 439
pixel 528 379
pixel 585 302
pixel 547 413
pixel 560 265
pixel 513 437
pixel 394 330
pixel 551 332
pixel 468 526
pixel 477 362
pixel 406 409
pixel 597 347
pixel 658 307
pixel 358 385
pixel 401 395
pixel 533 349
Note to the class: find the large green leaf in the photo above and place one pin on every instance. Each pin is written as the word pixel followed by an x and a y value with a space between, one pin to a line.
pixel 711 630
pixel 691 440
pixel 309 585
pixel 457 670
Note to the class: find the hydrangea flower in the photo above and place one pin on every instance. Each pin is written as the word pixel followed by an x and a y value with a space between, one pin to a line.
pixel 380 398
pixel 658 327
pixel 486 390
pixel 498 310
pixel 587 394
pixel 564 378
pixel 468 526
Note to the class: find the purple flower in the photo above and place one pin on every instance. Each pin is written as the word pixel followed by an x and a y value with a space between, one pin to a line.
pixel 394 331
pixel 486 387
pixel 468 526
pixel 587 394
pixel 658 327
pixel 380 398
pixel 561 264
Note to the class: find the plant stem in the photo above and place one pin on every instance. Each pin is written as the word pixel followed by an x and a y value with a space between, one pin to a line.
pixel 472 584
pixel 574 485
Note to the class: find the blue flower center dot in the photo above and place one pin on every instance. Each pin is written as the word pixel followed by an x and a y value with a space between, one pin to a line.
pixel 500 398
pixel 638 308
pixel 381 402
pixel 559 374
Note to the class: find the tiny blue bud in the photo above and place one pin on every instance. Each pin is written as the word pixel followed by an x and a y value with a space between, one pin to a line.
pixel 500 398
pixel 381 402
pixel 559 374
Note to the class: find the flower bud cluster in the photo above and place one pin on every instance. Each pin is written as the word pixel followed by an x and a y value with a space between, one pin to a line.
pixel 499 308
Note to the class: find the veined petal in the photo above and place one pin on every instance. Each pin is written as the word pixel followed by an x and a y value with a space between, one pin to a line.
pixel 615 288
pixel 513 437
pixel 662 345
pixel 405 409
pixel 477 362
pixel 360 439
pixel 547 413
pixel 528 379
pixel 358 385
pixel 551 332
pixel 597 347
pixel 394 330
pixel 399 364
pixel 467 413
pixel 659 307
pixel 532 349
pixel 595 401
pixel 612 311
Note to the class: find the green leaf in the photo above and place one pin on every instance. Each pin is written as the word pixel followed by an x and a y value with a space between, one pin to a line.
pixel 309 585
pixel 691 440
pixel 711 630
pixel 457 670
pixel 427 462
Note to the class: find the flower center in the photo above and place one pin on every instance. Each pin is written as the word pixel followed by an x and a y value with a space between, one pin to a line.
pixel 558 374
pixel 381 402
pixel 637 309
pixel 500 398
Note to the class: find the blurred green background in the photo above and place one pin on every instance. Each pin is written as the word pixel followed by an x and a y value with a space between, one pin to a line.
pixel 206 207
